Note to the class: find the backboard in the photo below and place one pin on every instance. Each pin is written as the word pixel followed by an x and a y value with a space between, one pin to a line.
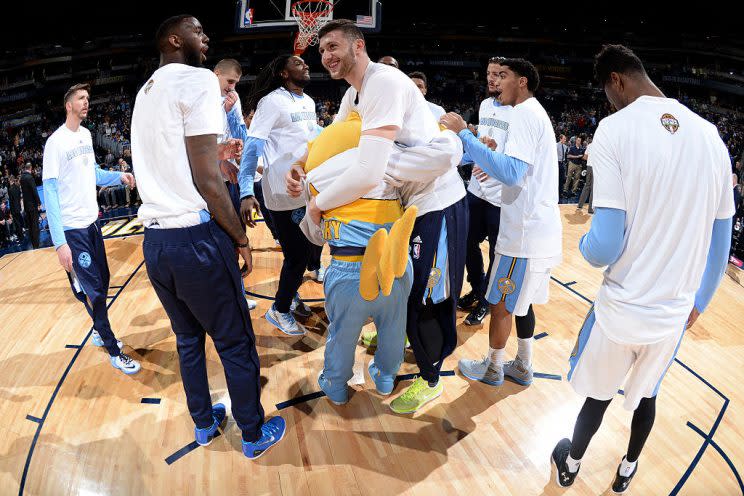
pixel 276 15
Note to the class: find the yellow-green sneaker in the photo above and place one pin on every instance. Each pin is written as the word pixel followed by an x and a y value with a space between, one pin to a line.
pixel 369 339
pixel 417 395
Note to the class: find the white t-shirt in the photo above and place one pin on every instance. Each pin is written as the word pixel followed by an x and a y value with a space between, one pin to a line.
pixel 69 158
pixel 530 219
pixel 493 121
pixel 669 170
pixel 287 122
pixel 436 110
pixel 389 98
pixel 177 101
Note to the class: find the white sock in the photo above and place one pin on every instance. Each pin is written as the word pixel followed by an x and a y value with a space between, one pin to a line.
pixel 496 357
pixel 524 350
pixel 573 465
pixel 626 467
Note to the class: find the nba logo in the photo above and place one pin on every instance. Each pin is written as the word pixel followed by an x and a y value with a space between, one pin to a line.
pixel 248 20
pixel 416 251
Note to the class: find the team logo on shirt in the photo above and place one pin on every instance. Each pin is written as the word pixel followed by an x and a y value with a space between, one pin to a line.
pixel 84 260
pixel 670 123
pixel 506 286
pixel 434 276
pixel 149 85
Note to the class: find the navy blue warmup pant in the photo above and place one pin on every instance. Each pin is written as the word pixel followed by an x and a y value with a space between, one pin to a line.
pixel 90 267
pixel 299 254
pixel 432 327
pixel 258 191
pixel 484 223
pixel 197 279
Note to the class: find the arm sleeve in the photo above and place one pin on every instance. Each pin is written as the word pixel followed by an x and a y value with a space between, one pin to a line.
pixel 508 170
pixel 107 178
pixel 54 216
pixel 603 244
pixel 236 123
pixel 374 153
pixel 715 267
pixel 608 187
pixel 201 105
pixel 253 149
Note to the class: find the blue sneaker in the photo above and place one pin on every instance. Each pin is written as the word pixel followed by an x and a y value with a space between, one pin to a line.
pixel 337 397
pixel 204 436
pixel 384 384
pixel 271 433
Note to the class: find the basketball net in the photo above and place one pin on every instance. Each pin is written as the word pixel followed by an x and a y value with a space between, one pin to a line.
pixel 311 16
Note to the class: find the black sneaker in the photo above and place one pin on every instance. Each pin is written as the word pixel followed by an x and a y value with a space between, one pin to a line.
pixel 621 483
pixel 468 301
pixel 563 476
pixel 477 315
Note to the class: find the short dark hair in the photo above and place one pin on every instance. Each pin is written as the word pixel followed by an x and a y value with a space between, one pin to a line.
pixel 616 58
pixel 419 75
pixel 229 65
pixel 74 89
pixel 524 68
pixel 167 28
pixel 348 27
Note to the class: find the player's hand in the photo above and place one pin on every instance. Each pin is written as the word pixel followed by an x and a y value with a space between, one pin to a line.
pixel 230 171
pixel 694 314
pixel 453 122
pixel 479 174
pixel 489 142
pixel 294 179
pixel 64 255
pixel 245 254
pixel 230 99
pixel 128 179
pixel 314 212
pixel 248 206
pixel 230 149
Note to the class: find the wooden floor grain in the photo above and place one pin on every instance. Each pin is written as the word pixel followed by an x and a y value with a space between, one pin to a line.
pixel 96 437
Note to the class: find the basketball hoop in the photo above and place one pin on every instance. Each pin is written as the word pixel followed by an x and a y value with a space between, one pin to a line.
pixel 311 15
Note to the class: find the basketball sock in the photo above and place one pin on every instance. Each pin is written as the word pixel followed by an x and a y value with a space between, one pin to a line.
pixel 496 357
pixel 524 350
pixel 626 467
pixel 573 465
pixel 587 423
pixel 640 427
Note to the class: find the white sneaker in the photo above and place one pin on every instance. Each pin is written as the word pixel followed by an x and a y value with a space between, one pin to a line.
pixel 97 340
pixel 252 304
pixel 319 275
pixel 125 363
pixel 285 322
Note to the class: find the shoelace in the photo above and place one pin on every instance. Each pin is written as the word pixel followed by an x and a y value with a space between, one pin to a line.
pixel 287 319
pixel 268 430
pixel 418 385
pixel 125 359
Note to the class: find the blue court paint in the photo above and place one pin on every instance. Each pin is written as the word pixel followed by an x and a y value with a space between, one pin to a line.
pixel 620 391
pixel 570 283
pixel 541 335
pixel 186 450
pixel 33 419
pixel 73 346
pixel 299 399
pixel 31 449
pixel 720 452
pixel 540 375
pixel 151 401
pixel 271 298
pixel 572 290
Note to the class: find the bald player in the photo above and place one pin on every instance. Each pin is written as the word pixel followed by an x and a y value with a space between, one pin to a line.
pixel 389 60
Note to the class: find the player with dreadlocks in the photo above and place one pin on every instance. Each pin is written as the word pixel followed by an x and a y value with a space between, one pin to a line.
pixel 284 122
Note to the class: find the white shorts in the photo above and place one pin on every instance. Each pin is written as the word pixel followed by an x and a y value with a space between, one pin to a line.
pixel 599 366
pixel 519 283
